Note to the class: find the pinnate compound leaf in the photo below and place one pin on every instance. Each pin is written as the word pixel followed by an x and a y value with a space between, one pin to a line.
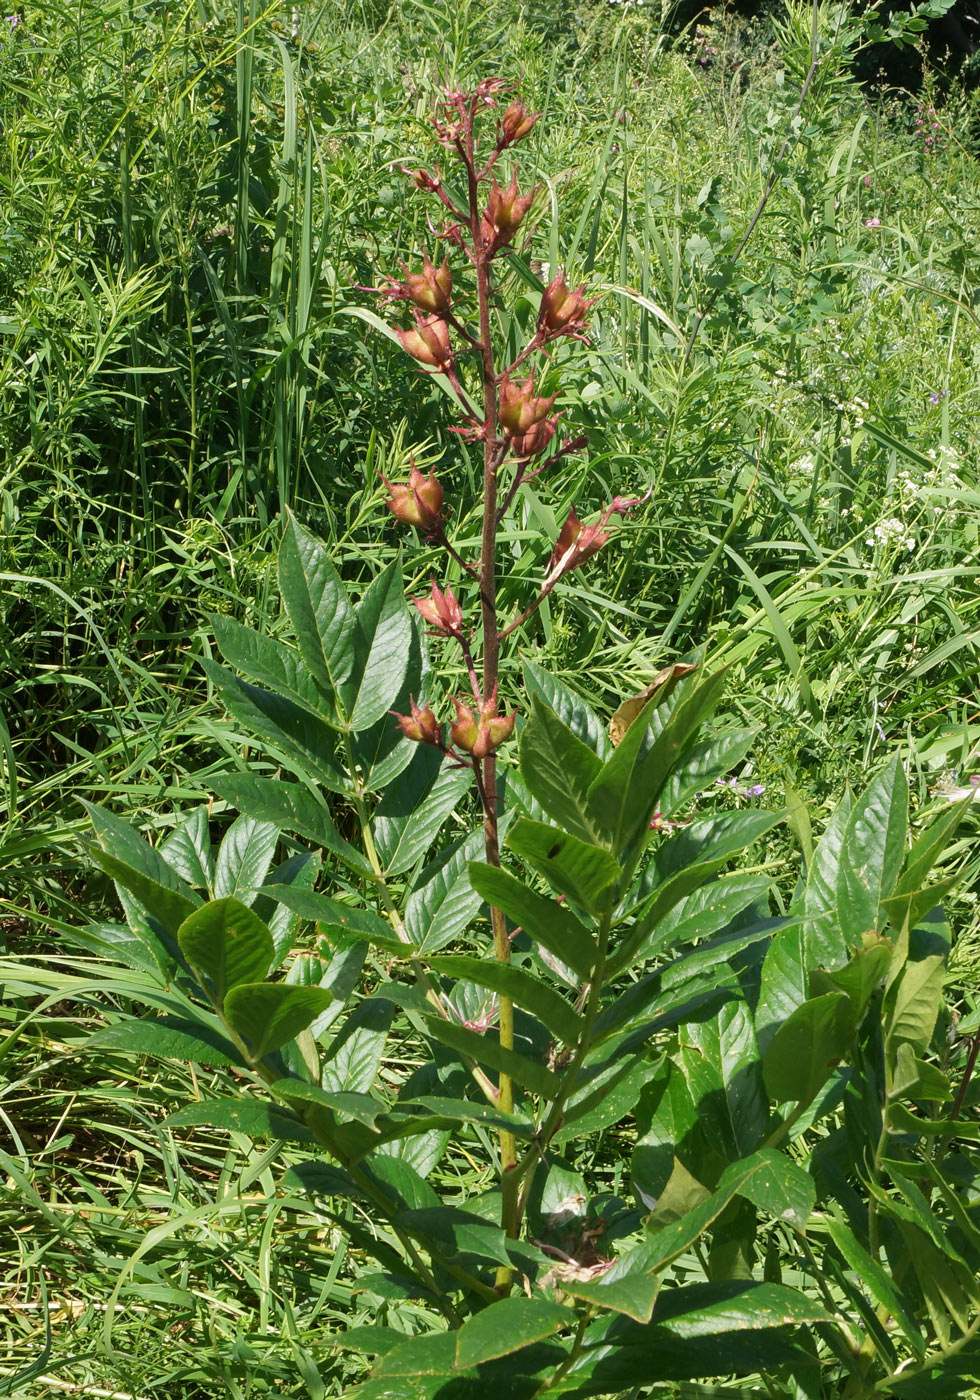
pixel 382 637
pixel 508 1326
pixel 318 608
pixel 523 989
pixel 873 852
pixel 805 1049
pixel 585 873
pixel 226 944
pixel 268 1014
pixel 168 1038
pixel 244 858
pixel 414 808
pixel 254 1117
pixel 558 769
pixel 269 663
pixel 304 743
pixel 128 860
pixel 552 925
pixel 292 808
pixel 626 791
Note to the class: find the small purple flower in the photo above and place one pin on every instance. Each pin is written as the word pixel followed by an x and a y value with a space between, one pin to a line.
pixel 13 21
pixel 872 223
pixel 757 789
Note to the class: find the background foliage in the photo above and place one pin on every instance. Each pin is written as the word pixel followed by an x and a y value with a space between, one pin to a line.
pixel 194 200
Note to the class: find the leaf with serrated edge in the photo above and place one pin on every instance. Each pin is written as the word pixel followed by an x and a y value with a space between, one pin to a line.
pixel 585 873
pixel 168 1038
pixel 268 1014
pixel 558 770
pixel 548 923
pixel 873 852
pixel 508 1326
pixel 414 808
pixel 568 705
pixel 443 902
pixel 382 637
pixel 227 943
pixel 292 808
pixel 317 605
pixel 243 1115
pixel 244 858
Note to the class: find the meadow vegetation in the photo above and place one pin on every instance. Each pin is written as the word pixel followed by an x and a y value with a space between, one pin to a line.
pixel 198 383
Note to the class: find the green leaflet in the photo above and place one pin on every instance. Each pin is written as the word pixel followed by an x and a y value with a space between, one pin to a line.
pixel 318 608
pixel 625 793
pixel 291 807
pixel 243 1115
pixel 414 808
pixel 169 1038
pixel 508 1326
pixel 268 1014
pixel 559 769
pixel 522 988
pixel 872 853
pixel 552 925
pixel 443 901
pixel 805 1049
pixel 381 638
pixel 587 874
pixel 225 944
pixel 244 858
pixel 267 662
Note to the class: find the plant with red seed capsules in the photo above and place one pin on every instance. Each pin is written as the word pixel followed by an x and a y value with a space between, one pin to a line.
pixel 516 425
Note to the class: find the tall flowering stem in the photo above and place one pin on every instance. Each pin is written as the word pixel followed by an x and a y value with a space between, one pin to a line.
pixel 519 435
